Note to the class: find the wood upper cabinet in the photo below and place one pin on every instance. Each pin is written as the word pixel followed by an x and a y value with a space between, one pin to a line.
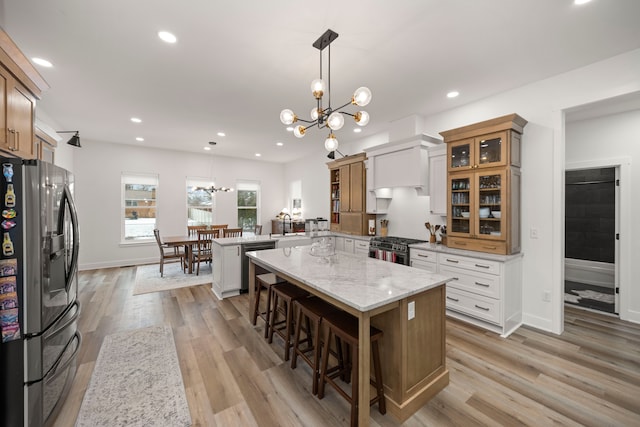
pixel 348 190
pixel 20 85
pixel 44 146
pixel 483 186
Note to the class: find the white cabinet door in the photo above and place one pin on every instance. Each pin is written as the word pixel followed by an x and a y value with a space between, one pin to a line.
pixel 227 270
pixel 438 180
pixel 340 244
pixel 361 247
pixel 349 245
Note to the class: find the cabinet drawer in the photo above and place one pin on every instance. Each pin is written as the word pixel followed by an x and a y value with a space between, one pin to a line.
pixel 429 266
pixel 361 247
pixel 420 255
pixel 475 264
pixel 478 283
pixel 492 247
pixel 474 305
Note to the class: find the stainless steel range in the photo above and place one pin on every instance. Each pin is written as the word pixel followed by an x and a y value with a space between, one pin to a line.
pixel 392 249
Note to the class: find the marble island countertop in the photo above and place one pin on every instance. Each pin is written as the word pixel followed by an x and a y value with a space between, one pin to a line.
pixel 302 236
pixel 361 283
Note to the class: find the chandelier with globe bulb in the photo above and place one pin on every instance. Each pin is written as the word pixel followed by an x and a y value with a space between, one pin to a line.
pixel 322 116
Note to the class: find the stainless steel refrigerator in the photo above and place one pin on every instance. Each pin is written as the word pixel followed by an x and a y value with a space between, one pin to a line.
pixel 38 291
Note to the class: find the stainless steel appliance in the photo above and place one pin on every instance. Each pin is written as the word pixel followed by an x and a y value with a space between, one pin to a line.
pixel 248 247
pixel 316 224
pixel 392 249
pixel 38 291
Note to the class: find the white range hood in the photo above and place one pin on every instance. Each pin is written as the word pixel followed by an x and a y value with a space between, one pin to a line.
pixel 403 163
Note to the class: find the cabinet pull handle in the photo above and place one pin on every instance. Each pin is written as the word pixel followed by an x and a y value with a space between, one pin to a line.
pixel 481 308
pixel 453 299
pixel 460 243
pixel 483 266
pixel 453 261
pixel 490 247
pixel 238 248
pixel 455 278
pixel 482 284
pixel 423 256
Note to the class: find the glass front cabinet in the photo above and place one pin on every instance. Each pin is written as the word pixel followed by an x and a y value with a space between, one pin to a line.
pixel 483 186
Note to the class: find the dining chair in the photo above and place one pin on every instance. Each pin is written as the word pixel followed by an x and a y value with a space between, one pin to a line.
pixel 168 255
pixel 219 226
pixel 233 232
pixel 192 230
pixel 257 230
pixel 203 251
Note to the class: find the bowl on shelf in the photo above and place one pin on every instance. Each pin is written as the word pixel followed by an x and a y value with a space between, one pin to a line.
pixel 484 212
pixel 495 233
pixel 496 214
pixel 465 214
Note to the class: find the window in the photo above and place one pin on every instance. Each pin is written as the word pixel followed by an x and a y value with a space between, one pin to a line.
pixel 248 204
pixel 138 206
pixel 200 202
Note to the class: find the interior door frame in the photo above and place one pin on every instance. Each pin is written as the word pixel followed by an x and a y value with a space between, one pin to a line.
pixel 623 215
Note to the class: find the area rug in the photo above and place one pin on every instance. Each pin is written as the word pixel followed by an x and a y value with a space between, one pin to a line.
pixel 148 278
pixel 136 381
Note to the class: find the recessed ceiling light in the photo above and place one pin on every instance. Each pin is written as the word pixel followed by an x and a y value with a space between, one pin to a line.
pixel 258 155
pixel 207 148
pixel 139 139
pixel 136 120
pixel 289 129
pixel 166 36
pixel 222 134
pixel 279 144
pixel 453 94
pixel 42 62
pixel 357 130
pixel 580 1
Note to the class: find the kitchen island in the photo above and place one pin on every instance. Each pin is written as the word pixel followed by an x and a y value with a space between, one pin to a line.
pixel 407 304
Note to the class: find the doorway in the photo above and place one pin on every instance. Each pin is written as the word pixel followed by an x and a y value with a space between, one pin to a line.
pixel 591 220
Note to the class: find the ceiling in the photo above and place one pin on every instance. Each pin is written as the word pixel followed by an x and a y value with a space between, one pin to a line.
pixel 236 65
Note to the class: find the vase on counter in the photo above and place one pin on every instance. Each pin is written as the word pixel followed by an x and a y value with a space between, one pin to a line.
pixel 383 231
pixel 432 238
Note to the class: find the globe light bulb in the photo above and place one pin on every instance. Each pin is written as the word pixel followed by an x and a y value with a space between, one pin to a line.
pixel 314 114
pixel 331 143
pixel 317 88
pixel 361 118
pixel 287 117
pixel 362 96
pixel 299 131
pixel 335 121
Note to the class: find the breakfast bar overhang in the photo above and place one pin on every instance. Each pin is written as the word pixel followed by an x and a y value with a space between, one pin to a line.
pixel 406 303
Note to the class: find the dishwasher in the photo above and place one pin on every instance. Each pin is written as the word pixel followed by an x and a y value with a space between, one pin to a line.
pixel 248 247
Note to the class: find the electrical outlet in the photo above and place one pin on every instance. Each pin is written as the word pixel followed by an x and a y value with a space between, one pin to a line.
pixel 533 233
pixel 412 310
pixel 546 296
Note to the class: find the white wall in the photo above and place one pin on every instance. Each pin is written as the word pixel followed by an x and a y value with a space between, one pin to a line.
pixel 615 140
pixel 98 169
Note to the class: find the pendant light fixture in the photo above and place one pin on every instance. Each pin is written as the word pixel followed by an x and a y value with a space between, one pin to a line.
pixel 214 189
pixel 322 115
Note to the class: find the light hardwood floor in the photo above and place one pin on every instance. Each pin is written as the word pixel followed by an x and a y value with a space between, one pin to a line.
pixel 588 376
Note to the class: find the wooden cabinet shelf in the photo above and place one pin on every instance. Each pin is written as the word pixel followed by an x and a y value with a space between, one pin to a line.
pixel 348 195
pixel 483 185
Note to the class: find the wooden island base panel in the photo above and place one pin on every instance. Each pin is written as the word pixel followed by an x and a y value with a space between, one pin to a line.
pixel 384 295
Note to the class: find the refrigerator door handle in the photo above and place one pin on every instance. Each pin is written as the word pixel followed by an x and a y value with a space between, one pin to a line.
pixel 68 201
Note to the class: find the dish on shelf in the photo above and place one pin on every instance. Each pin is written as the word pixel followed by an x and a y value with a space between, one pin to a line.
pixel 495 233
pixel 465 214
pixel 484 212
pixel 496 214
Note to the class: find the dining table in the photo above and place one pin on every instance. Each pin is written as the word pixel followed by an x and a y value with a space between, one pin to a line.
pixel 187 242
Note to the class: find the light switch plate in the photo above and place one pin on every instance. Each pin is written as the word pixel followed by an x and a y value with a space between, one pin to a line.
pixel 412 310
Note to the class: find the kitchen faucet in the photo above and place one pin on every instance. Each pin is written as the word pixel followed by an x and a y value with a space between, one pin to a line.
pixel 284 225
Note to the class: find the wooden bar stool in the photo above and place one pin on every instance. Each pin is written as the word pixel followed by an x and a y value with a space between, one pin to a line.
pixel 264 281
pixel 311 309
pixel 345 326
pixel 285 293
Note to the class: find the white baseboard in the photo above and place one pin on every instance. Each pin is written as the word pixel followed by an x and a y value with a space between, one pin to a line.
pixel 538 323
